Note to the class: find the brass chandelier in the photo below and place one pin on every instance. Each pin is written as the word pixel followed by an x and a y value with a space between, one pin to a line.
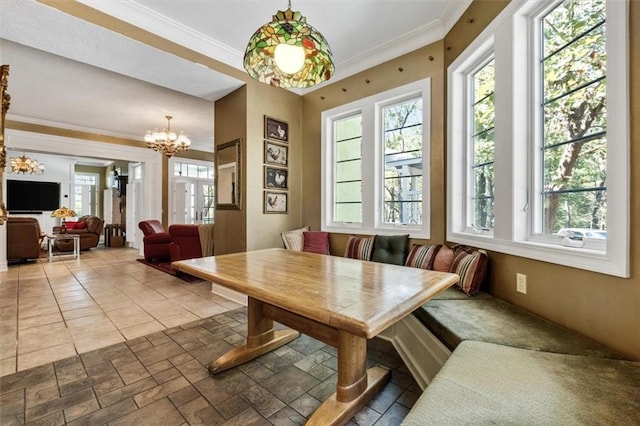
pixel 167 141
pixel 25 165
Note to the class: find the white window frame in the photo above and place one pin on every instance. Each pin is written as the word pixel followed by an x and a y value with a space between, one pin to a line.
pixel 515 141
pixel 373 162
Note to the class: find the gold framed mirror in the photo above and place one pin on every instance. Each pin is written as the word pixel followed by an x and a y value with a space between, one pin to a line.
pixel 229 175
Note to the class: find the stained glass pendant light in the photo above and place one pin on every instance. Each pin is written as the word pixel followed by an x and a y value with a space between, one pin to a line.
pixel 288 52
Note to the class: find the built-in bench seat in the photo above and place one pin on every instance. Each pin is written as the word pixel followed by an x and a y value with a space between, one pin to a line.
pixel 509 366
pixel 453 317
pixel 486 383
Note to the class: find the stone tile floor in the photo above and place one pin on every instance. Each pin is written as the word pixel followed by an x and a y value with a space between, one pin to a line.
pixel 162 379
pixel 53 310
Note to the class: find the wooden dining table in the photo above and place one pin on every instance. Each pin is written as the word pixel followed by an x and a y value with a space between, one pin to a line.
pixel 339 301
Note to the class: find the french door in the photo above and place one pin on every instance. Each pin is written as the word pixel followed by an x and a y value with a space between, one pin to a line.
pixel 194 201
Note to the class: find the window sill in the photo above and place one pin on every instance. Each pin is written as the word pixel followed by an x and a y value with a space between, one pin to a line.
pixel 575 257
pixel 357 228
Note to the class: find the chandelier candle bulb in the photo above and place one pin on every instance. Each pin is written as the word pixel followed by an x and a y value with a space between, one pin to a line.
pixel 166 141
pixel 25 165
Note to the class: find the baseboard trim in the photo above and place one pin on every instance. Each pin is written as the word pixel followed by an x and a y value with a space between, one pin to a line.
pixel 421 351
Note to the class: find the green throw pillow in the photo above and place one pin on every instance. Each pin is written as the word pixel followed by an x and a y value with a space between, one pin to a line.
pixel 390 249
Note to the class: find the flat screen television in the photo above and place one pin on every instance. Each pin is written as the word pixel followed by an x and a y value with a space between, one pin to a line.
pixel 25 196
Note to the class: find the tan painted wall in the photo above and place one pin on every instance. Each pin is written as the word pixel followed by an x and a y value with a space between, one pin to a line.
pixel 230 232
pixel 600 306
pixel 417 65
pixel 263 230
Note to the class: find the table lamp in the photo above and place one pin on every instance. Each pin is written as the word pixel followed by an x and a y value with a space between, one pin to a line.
pixel 63 212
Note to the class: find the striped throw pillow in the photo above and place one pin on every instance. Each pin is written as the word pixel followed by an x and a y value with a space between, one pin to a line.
pixel 294 240
pixel 472 269
pixel 359 248
pixel 422 256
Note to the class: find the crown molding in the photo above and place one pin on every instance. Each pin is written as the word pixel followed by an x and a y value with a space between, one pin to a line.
pixel 167 28
pixel 452 14
pixel 149 20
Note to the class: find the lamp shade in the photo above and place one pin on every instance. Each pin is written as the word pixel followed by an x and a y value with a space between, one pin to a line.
pixel 63 212
pixel 287 52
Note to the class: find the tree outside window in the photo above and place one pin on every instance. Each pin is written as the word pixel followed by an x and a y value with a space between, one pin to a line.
pixel 574 124
pixel 483 141
pixel 403 162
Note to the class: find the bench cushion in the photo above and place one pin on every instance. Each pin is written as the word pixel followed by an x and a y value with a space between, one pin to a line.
pixel 489 319
pixel 484 383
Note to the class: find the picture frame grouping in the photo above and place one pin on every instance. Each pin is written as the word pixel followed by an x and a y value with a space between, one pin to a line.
pixel 276 166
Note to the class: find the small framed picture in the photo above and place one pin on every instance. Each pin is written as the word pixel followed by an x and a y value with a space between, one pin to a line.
pixel 275 202
pixel 275 153
pixel 276 129
pixel 276 178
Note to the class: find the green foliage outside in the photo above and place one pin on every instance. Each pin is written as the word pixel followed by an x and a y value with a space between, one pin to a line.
pixel 574 111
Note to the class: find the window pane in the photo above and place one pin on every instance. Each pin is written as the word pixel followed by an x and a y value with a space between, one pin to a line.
pixel 584 61
pixel 351 212
pixel 403 163
pixel 576 115
pixel 570 20
pixel 584 209
pixel 483 140
pixel 348 170
pixel 574 110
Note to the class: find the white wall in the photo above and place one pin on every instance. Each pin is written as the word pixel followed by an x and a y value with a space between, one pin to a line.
pixel 57 169
pixel 150 205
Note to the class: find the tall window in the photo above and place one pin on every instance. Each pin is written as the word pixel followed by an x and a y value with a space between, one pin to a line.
pixel 375 158
pixel 574 121
pixel 482 147
pixel 403 162
pixel 538 135
pixel 348 169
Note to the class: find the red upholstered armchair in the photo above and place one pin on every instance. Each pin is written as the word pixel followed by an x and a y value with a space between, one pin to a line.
pixel 185 242
pixel 156 241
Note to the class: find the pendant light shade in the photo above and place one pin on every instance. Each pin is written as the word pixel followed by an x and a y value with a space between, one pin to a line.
pixel 287 52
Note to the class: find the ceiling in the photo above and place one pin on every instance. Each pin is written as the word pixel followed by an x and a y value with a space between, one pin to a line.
pixel 70 73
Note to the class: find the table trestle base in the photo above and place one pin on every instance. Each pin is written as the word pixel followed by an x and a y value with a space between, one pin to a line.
pixel 333 412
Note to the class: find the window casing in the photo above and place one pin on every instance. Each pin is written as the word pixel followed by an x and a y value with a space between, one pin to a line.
pixel 375 157
pixel 530 138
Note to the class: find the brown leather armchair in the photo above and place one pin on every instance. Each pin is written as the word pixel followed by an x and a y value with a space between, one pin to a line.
pixel 88 227
pixel 24 238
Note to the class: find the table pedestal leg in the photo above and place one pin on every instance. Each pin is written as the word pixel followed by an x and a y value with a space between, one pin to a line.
pixel 356 385
pixel 261 338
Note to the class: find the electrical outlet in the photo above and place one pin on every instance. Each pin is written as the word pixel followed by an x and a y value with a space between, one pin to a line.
pixel 521 283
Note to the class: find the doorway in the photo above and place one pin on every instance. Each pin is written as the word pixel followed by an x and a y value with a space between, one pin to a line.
pixel 193 192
